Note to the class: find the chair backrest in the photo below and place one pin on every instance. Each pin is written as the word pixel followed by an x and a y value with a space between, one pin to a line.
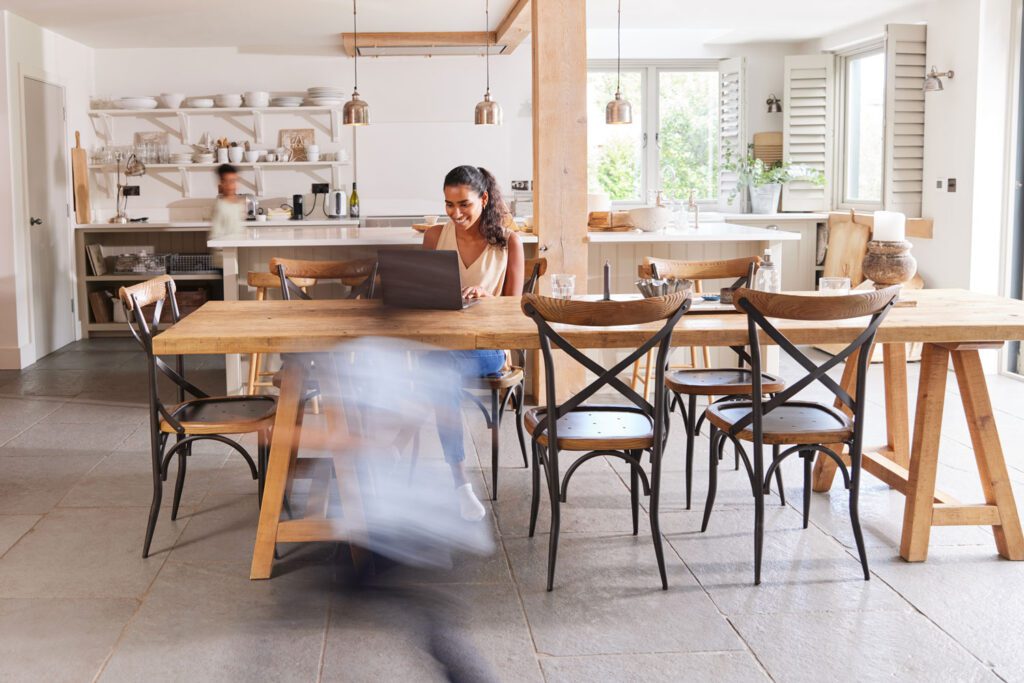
pixel 534 268
pixel 268 280
pixel 156 292
pixel 359 274
pixel 741 269
pixel 546 310
pixel 759 306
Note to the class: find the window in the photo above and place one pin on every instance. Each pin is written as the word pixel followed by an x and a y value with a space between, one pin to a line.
pixel 672 144
pixel 863 111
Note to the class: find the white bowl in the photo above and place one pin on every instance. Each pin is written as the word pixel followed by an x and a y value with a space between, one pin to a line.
pixel 201 102
pixel 252 156
pixel 137 103
pixel 257 98
pixel 651 218
pixel 171 100
pixel 228 101
pixel 431 220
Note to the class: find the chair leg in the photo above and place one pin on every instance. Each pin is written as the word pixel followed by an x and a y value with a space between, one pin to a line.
pixel 519 421
pixel 778 475
pixel 535 498
pixel 552 468
pixel 691 422
pixel 758 512
pixel 262 453
pixel 634 497
pixel 495 426
pixel 157 444
pixel 659 551
pixel 254 369
pixel 713 457
pixel 855 462
pixel 179 482
pixel 808 458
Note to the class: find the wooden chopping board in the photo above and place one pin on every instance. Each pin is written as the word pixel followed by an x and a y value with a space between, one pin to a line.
pixel 80 180
pixel 847 244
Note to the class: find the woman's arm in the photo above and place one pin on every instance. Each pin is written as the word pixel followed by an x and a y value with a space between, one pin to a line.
pixel 514 275
pixel 432 236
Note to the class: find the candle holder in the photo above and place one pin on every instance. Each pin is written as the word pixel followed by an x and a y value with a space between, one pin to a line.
pixel 889 263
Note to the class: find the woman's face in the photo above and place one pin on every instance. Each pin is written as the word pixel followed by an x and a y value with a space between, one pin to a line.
pixel 463 205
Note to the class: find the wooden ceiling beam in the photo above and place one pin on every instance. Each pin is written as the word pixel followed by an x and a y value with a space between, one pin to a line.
pixel 416 39
pixel 514 28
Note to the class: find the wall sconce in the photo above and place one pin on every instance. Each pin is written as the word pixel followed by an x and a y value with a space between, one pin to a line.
pixel 933 81
pixel 774 104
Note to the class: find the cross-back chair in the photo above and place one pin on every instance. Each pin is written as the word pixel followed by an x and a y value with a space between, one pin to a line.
pixel 623 431
pixel 809 426
pixel 359 274
pixel 201 417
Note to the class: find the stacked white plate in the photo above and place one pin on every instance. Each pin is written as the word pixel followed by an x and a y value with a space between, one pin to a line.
pixel 285 101
pixel 201 102
pixel 202 158
pixel 231 101
pixel 324 96
pixel 137 102
pixel 181 158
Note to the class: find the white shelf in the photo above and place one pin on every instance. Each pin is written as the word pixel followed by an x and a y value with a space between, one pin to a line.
pixel 210 110
pixel 258 164
pixel 132 277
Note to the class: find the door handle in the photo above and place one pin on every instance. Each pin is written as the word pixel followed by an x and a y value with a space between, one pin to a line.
pixel 35 221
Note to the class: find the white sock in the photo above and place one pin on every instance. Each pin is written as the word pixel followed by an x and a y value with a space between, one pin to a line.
pixel 471 509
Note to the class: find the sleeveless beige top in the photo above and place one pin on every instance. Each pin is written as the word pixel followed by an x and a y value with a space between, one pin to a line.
pixel 487 272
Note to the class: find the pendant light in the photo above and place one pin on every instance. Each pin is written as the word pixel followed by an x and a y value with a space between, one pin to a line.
pixel 618 111
pixel 356 111
pixel 488 112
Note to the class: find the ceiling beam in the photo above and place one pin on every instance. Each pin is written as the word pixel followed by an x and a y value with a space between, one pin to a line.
pixel 514 28
pixel 414 39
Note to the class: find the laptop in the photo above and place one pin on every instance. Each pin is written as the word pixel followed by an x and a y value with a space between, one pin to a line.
pixel 418 278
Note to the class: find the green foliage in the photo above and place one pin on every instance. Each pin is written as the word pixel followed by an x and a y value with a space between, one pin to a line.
pixel 751 172
pixel 688 139
pixel 618 169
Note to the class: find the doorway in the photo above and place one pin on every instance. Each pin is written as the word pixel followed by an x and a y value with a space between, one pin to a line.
pixel 46 166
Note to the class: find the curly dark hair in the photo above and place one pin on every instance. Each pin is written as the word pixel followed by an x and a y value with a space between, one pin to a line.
pixel 481 180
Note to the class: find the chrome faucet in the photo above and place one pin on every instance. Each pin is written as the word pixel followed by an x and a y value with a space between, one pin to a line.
pixel 692 205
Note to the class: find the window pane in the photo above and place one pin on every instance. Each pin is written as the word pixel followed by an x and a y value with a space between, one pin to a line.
pixel 614 152
pixel 688 134
pixel 865 116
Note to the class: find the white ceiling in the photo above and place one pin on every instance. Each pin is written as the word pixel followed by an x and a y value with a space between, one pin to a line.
pixel 314 25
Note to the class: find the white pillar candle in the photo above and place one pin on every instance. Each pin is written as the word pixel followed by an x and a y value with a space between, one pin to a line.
pixel 890 226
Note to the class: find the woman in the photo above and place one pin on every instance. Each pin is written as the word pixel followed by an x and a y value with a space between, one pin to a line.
pixel 490 264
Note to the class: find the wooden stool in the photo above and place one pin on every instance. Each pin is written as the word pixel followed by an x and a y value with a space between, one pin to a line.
pixel 263 282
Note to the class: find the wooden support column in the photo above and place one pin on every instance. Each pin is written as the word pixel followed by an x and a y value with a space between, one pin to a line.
pixel 560 149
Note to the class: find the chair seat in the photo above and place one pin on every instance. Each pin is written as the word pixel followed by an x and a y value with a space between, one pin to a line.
pixel 223 415
pixel 508 378
pixel 720 382
pixel 797 422
pixel 597 427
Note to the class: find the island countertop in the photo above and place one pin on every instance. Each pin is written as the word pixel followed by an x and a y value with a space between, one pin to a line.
pixel 272 235
pixel 707 232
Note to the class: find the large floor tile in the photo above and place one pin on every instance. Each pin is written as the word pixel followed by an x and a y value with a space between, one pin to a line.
pixel 470 632
pixel 202 625
pixel 86 553
pixel 104 412
pixel 802 570
pixel 44 438
pixel 46 639
pixel 13 527
pixel 857 646
pixel 605 586
pixel 667 667
pixel 50 383
pixel 18 414
pixel 34 485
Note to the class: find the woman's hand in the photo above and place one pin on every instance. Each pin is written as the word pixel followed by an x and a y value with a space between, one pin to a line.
pixel 474 293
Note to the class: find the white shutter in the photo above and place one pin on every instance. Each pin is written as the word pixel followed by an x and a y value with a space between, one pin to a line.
pixel 807 107
pixel 732 129
pixel 905 52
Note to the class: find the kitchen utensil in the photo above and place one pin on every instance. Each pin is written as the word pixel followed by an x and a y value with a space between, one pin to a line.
pixel 651 218
pixel 222 155
pixel 228 101
pixel 171 100
pixel 200 102
pixel 252 155
pixel 256 98
pixel 80 180
pixel 137 103
pixel 235 155
pixel 336 204
pixel 271 157
pixel 430 220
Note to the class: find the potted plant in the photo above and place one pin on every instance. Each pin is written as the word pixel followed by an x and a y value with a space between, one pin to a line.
pixel 764 181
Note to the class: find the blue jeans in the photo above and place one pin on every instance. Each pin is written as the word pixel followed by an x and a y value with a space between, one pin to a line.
pixel 448 406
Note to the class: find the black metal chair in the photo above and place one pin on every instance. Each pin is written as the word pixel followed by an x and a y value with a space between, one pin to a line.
pixel 623 431
pixel 507 388
pixel 811 427
pixel 202 417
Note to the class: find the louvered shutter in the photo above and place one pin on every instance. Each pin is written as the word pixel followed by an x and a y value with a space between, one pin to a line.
pixel 807 126
pixel 732 127
pixel 905 52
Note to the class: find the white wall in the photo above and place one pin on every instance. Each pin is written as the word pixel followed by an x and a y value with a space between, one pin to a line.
pixel 28 50
pixel 421 113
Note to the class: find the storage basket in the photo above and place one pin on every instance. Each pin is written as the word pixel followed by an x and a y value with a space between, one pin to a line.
pixel 141 264
pixel 182 264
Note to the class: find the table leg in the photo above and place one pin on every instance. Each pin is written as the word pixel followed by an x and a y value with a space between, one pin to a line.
pixel 995 480
pixel 924 460
pixel 285 440
pixel 897 414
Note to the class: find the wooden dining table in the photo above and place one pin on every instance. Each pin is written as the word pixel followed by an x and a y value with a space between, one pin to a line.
pixel 951 324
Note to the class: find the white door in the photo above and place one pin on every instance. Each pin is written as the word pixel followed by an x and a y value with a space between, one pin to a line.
pixel 49 222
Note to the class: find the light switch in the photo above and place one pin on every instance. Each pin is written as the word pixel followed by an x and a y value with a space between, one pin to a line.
pixel 938 184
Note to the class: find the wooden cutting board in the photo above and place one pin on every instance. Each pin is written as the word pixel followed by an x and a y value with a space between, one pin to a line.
pixel 80 180
pixel 847 245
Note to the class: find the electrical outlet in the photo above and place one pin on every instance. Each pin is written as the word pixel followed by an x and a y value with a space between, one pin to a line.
pixel 951 185
pixel 938 184
pixel 521 185
pixel 321 188
pixel 130 190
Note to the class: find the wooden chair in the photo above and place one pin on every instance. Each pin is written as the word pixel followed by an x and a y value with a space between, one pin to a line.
pixel 510 386
pixel 202 417
pixel 812 427
pixel 263 282
pixel 359 274
pixel 623 431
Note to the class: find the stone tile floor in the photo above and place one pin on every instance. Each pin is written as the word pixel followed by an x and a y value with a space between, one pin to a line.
pixel 78 603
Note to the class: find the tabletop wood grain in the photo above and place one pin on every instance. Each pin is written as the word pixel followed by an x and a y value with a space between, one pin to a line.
pixel 941 315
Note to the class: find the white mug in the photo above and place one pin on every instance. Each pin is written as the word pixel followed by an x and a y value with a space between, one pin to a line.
pixel 222 155
pixel 235 154
pixel 312 152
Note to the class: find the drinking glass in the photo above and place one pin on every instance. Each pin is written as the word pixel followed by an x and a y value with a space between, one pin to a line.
pixel 563 285
pixel 834 286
